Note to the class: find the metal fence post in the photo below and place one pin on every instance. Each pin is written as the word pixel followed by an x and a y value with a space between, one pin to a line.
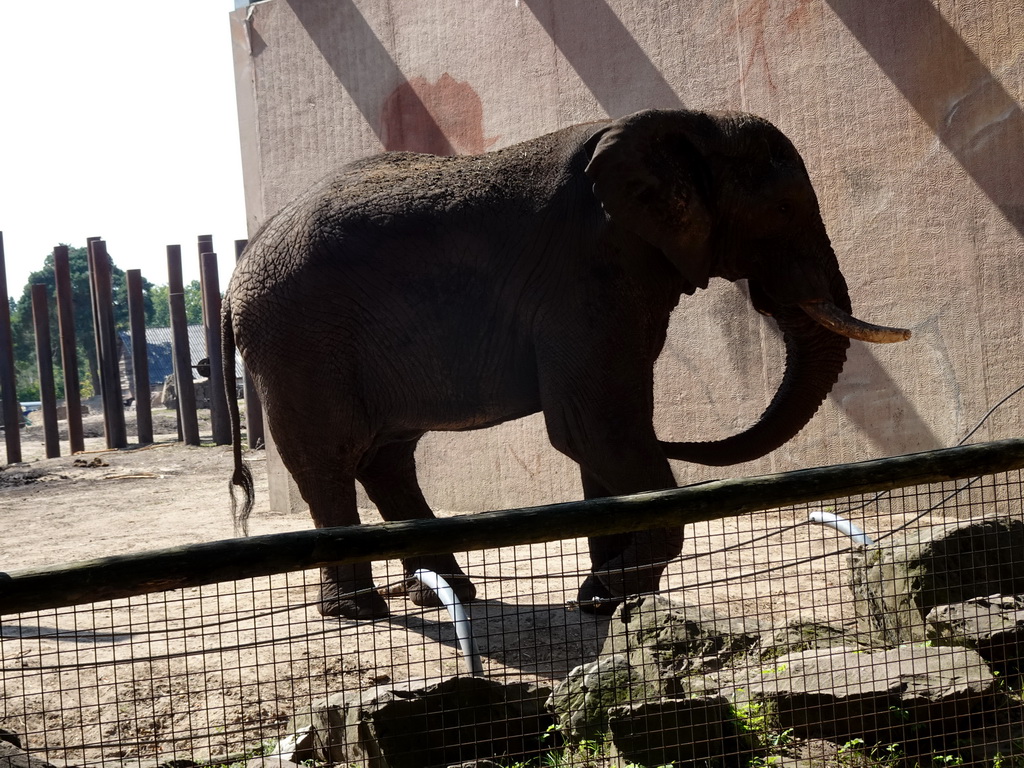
pixel 113 402
pixel 219 422
pixel 90 242
pixel 44 361
pixel 11 416
pixel 140 360
pixel 68 347
pixel 188 424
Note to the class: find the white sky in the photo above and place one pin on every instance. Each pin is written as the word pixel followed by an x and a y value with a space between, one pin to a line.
pixel 117 118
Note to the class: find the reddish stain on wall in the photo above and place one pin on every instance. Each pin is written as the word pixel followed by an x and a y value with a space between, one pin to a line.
pixel 754 18
pixel 442 118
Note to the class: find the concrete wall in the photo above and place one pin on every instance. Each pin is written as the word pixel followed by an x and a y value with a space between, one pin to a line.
pixel 907 114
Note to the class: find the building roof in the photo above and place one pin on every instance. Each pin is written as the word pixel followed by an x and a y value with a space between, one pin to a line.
pixel 159 353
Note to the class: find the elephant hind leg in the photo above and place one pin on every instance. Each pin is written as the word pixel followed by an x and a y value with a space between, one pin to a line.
pixel 326 479
pixel 389 477
pixel 346 590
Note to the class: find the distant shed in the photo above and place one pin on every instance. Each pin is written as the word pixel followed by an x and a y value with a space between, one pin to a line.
pixel 159 355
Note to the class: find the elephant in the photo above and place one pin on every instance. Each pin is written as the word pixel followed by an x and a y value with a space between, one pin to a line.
pixel 408 293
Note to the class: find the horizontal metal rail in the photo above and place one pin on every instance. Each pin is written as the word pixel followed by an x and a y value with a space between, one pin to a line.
pixel 194 565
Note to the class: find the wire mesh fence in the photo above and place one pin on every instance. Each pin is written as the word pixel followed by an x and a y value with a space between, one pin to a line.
pixel 772 640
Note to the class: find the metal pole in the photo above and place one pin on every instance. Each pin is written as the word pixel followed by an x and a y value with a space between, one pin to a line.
pixel 11 415
pixel 205 245
pixel 187 420
pixel 97 336
pixel 219 422
pixel 253 407
pixel 113 399
pixel 140 360
pixel 68 347
pixel 44 361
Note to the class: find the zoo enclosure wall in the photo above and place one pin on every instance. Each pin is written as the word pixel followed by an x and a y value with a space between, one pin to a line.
pixel 907 114
pixel 244 666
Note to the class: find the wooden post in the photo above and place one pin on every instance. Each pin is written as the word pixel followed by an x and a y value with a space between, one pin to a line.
pixel 68 347
pixel 113 397
pixel 188 423
pixel 10 416
pixel 219 422
pixel 253 407
pixel 193 565
pixel 140 359
pixel 44 361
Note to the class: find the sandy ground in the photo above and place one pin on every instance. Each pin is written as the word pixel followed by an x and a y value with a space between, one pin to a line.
pixel 213 670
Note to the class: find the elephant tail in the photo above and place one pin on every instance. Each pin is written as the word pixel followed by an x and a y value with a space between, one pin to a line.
pixel 242 476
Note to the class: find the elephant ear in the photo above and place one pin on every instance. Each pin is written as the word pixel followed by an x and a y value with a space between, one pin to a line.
pixel 652 179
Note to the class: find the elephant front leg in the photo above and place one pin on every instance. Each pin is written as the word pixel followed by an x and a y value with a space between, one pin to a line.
pixel 617 456
pixel 635 567
pixel 624 563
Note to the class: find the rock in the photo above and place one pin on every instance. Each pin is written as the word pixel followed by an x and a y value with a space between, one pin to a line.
pixel 674 643
pixel 686 732
pixel 898 581
pixel 62 411
pixel 201 387
pixel 423 725
pixel 893 696
pixel 581 701
pixel 296 747
pixel 10 737
pixel 993 626
pixel 996 743
pixel 269 761
pixel 804 635
pixel 169 394
pixel 14 757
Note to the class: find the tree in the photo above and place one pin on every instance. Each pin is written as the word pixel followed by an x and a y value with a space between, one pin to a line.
pixel 22 329
pixel 160 295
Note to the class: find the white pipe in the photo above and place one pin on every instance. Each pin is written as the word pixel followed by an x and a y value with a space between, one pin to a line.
pixel 463 629
pixel 842 525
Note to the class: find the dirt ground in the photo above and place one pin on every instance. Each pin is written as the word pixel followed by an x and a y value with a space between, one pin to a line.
pixel 213 670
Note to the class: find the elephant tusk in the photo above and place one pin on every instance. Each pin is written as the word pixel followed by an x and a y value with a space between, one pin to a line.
pixel 836 320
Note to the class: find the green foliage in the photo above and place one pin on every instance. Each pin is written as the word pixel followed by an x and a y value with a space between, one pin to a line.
pixel 23 332
pixel 759 720
pixel 160 296
pixel 241 760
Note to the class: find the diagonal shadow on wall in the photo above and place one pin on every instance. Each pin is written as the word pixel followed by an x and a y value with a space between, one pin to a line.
pixel 363 66
pixel 602 51
pixel 605 55
pixel 952 90
pixel 957 96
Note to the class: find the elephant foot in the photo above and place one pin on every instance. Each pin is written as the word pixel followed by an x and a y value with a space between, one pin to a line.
pixel 422 595
pixel 349 602
pixel 445 566
pixel 595 598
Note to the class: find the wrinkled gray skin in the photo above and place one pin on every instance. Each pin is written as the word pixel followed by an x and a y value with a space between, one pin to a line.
pixel 410 293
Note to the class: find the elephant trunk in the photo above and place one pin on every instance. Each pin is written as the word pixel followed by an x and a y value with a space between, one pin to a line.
pixel 817 334
pixel 814 359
